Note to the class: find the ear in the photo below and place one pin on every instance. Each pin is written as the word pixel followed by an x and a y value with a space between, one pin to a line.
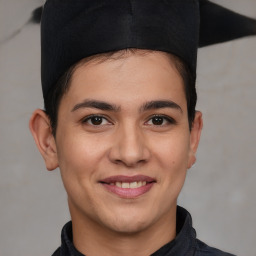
pixel 195 135
pixel 40 128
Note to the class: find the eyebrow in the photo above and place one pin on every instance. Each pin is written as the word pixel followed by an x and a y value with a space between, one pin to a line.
pixel 158 104
pixel 96 104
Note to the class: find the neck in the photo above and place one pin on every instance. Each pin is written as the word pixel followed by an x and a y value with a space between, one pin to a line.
pixel 91 238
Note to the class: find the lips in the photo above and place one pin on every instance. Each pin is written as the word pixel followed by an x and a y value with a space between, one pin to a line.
pixel 128 186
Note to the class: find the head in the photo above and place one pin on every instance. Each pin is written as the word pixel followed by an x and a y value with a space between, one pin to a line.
pixel 121 119
pixel 54 96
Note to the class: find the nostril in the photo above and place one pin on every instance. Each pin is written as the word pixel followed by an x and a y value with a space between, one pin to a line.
pixel 129 149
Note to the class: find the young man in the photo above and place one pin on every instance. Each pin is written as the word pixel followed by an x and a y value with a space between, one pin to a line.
pixel 120 122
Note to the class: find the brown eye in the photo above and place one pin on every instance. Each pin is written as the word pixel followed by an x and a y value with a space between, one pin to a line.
pixel 161 120
pixel 96 120
pixel 157 120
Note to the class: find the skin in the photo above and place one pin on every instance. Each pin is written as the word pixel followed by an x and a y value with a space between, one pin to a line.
pixel 126 141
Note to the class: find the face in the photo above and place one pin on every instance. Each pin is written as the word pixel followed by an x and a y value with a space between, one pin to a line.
pixel 123 143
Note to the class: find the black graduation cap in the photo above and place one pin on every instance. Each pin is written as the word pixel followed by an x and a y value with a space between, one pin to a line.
pixel 74 29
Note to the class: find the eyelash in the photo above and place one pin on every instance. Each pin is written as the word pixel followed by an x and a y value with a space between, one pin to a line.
pixel 168 119
pixel 85 120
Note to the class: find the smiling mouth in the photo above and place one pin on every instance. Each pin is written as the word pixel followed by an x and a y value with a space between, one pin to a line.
pixel 135 184
pixel 128 187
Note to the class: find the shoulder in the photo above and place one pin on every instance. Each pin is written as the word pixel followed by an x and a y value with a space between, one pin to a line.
pixel 203 249
pixel 57 252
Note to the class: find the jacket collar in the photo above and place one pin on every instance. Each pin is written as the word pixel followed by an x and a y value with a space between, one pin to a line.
pixel 183 244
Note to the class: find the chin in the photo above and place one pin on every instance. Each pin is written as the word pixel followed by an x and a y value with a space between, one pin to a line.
pixel 129 227
pixel 129 222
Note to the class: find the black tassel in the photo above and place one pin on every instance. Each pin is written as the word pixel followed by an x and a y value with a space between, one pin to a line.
pixel 36 15
pixel 35 18
pixel 219 24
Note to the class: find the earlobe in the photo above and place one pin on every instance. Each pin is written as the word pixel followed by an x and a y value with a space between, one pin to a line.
pixel 40 128
pixel 195 135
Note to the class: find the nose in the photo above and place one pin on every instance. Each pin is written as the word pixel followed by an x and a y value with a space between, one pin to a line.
pixel 129 147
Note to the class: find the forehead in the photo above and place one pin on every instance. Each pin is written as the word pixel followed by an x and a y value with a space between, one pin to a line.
pixel 127 74
pixel 122 56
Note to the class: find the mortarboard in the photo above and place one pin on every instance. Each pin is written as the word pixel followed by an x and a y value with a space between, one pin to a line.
pixel 74 29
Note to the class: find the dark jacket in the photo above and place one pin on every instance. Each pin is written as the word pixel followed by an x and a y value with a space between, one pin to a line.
pixel 185 243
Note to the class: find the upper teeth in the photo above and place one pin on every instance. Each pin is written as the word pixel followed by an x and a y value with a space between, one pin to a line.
pixel 135 184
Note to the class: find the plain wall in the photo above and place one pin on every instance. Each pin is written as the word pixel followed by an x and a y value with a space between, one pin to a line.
pixel 220 189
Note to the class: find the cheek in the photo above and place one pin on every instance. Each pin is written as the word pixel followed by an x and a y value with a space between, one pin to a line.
pixel 172 151
pixel 78 161
pixel 78 157
pixel 75 149
pixel 172 156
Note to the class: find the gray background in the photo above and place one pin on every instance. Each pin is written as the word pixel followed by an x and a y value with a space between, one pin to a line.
pixel 220 189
